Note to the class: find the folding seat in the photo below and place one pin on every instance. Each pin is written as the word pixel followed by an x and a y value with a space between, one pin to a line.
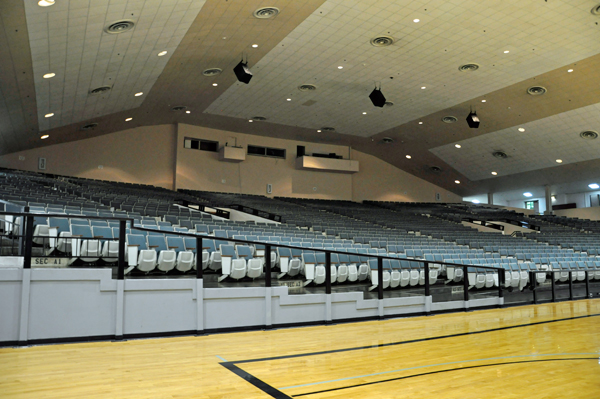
pixel 167 258
pixel 309 263
pixel 476 277
pixel 184 260
pixel 138 253
pixel 395 274
pixel 322 267
pixel 200 228
pixel 84 245
pixel 454 273
pixel 190 245
pixel 254 266
pixel 109 246
pixel 41 232
pixel 341 263
pixel 374 274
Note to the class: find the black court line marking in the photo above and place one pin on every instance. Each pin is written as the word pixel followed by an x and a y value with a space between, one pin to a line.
pixel 263 386
pixel 410 341
pixel 442 371
pixel 277 394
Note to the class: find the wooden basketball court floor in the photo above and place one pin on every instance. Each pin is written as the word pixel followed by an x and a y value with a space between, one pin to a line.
pixel 538 351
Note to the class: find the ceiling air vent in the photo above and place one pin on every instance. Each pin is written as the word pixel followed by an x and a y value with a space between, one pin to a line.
pixel 435 169
pixel 259 118
pixel 388 104
pixel 307 87
pixel 179 108
pixel 449 119
pixel 500 154
pixel 382 41
pixel 89 126
pixel 100 90
pixel 120 26
pixel 212 71
pixel 328 129
pixel 387 140
pixel 266 12
pixel 596 10
pixel 589 135
pixel 468 67
pixel 536 90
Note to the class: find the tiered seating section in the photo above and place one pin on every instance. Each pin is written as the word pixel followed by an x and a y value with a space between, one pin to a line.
pixel 163 237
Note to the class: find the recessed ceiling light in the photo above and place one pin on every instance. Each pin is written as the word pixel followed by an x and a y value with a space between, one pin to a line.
pixel 457 181
pixel 408 157
pixel 255 45
pixel 476 201
pixel 528 194
pixel 49 75
pixel 340 67
pixel 569 70
pixel 494 173
pixel 128 119
pixel 594 186
pixel 188 112
pixel 484 101
pixel 457 145
pixel 423 87
pixel 521 129
pixel 215 84
pixel 250 120
pixel 559 161
pixel 319 131
pixel 50 115
pixel 416 20
pixel 420 123
pixel 289 99
pixel 45 136
pixel 364 113
pixel 45 3
pixel 139 94
pixel 162 53
pixel 506 51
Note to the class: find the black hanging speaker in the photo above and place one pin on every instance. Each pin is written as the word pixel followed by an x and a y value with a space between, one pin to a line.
pixel 473 120
pixel 300 151
pixel 242 72
pixel 377 98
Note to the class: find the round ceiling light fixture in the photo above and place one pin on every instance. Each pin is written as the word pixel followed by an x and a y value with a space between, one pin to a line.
pixel 328 129
pixel 387 140
pixel 595 10
pixel 46 3
pixel 100 90
pixel 435 169
pixel 178 108
pixel 536 90
pixel 588 135
pixel 500 154
pixel 382 41
pixel 259 118
pixel 388 103
pixel 89 126
pixel 45 136
pixel 266 12
pixel 212 71
pixel 49 75
pixel 122 26
pixel 307 87
pixel 449 119
pixel 468 67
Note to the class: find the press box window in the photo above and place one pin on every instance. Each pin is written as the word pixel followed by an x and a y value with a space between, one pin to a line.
pixel 203 145
pixel 266 152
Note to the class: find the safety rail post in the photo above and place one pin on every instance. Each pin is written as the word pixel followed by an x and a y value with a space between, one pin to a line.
pixel 380 277
pixel 465 285
pixel 533 281
pixel 427 287
pixel 199 270
pixel 268 266
pixel 28 241
pixel 121 260
pixel 327 272
pixel 570 286
pixel 587 284
pixel 553 286
pixel 501 280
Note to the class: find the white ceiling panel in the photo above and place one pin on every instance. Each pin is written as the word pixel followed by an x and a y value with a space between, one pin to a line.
pixel 68 39
pixel 539 146
pixel 427 53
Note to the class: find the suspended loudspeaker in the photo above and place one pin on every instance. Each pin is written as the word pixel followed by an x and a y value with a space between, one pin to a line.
pixel 377 98
pixel 473 120
pixel 242 72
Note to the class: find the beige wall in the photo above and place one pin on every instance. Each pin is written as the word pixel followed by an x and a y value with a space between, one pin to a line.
pixel 155 155
pixel 141 155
